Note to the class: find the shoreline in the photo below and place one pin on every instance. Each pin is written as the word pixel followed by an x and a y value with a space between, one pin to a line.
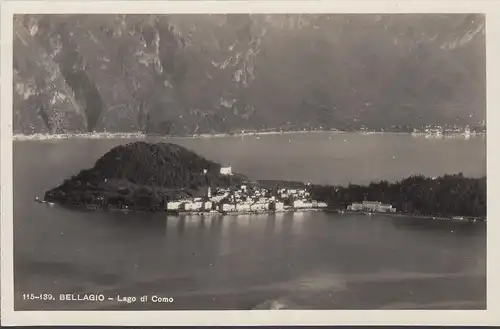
pixel 257 212
pixel 91 207
pixel 141 136
pixel 397 214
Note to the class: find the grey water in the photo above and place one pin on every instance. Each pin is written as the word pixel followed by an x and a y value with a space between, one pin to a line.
pixel 301 261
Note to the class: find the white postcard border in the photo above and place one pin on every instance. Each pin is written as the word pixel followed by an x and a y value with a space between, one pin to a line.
pixel 265 317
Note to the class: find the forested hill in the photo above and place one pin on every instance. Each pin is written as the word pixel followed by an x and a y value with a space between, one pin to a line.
pixel 186 74
pixel 142 171
pixel 449 195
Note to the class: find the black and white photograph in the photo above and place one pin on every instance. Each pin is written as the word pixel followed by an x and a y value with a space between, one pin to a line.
pixel 248 161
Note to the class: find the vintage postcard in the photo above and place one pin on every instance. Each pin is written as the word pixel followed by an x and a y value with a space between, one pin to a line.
pixel 244 163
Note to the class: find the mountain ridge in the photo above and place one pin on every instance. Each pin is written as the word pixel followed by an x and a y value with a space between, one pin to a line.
pixel 189 74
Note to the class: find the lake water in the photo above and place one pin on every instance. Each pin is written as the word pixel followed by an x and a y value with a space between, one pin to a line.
pixel 302 260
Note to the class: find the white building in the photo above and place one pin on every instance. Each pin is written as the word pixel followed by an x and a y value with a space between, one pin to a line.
pixel 373 206
pixel 279 206
pixel 174 205
pixel 242 207
pixel 208 205
pixel 259 206
pixel 227 207
pixel 188 206
pixel 385 208
pixel 227 170
pixel 217 198
pixel 193 206
pixel 355 206
pixel 307 204
pixel 301 204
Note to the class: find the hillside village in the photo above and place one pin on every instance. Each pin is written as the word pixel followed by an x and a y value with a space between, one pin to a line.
pixel 246 198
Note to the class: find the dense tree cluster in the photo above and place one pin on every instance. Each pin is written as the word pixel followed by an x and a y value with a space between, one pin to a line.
pixel 141 175
pixel 449 195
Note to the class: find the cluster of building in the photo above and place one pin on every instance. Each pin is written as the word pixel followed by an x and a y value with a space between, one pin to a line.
pixel 439 130
pixel 247 199
pixel 371 206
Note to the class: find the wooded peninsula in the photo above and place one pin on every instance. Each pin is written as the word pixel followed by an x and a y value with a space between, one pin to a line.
pixel 150 177
pixel 445 196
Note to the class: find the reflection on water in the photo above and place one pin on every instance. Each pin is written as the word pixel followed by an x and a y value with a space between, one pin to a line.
pixel 270 230
pixel 269 226
pixel 229 225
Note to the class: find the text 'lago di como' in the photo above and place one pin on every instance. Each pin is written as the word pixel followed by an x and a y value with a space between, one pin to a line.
pixel 97 298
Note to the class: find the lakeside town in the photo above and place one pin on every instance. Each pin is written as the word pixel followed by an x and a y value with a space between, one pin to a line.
pixel 250 198
pixel 246 198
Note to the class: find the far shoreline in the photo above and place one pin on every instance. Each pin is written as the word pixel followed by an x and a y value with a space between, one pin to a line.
pixel 141 136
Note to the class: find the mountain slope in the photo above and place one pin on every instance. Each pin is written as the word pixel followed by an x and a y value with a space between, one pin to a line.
pixel 185 74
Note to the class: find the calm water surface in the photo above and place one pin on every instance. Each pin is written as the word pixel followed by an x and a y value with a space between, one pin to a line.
pixel 308 260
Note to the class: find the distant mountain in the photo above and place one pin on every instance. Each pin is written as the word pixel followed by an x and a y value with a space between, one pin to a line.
pixel 185 74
